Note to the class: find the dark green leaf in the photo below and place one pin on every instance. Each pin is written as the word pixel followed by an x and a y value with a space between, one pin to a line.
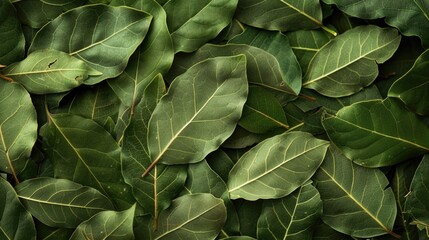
pixel 356 53
pixel 18 127
pixel 277 166
pixel 377 133
pixel 199 111
pixel 291 217
pixel 194 22
pixel 13 42
pixel 15 221
pixel 196 216
pixel 107 225
pixel 50 233
pixel 220 162
pixel 103 36
pixel 325 232
pixel 50 71
pixel 60 202
pixel 356 200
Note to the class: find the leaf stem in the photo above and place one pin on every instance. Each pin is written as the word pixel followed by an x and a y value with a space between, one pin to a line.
pixel 150 167
pixel 6 78
pixel 393 234
pixel 306 97
pixel 295 127
pixel 155 200
pixel 330 31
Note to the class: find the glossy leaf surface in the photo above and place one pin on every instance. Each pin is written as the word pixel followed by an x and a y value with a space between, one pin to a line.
pixel 107 225
pixel 16 222
pixel 356 53
pixel 291 217
pixel 50 71
pixel 196 216
pixel 96 34
pixel 60 202
pixel 356 200
pixel 18 127
pixel 377 133
pixel 190 122
pixel 12 44
pixel 276 167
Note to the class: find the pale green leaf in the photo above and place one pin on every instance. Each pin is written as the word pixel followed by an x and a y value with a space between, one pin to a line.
pixel 60 202
pixel 412 88
pixel 377 133
pixel 291 217
pixel 104 37
pixel 356 200
pixel 84 152
pixel 348 63
pixel 416 203
pixel 194 22
pixel 11 34
pixel 15 222
pixel 199 111
pixel 50 71
pixel 277 166
pixel 107 225
pixel 18 127
pixel 196 216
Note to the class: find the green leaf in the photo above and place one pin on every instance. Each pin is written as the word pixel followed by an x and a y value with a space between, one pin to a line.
pixel 409 16
pixel 199 111
pixel 194 22
pixel 220 162
pixel 277 166
pixel 107 225
pixel 277 44
pixel 202 179
pixel 416 203
pixel 259 63
pixel 16 222
pixel 262 112
pixel 155 191
pixel 356 200
pixel 356 53
pixel 155 55
pixel 291 217
pixel 377 133
pixel 18 127
pixel 282 15
pixel 412 88
pixel 196 216
pixel 103 36
pixel 50 71
pixel 50 233
pixel 36 13
pixel 325 232
pixel 249 212
pixel 13 42
pixel 84 152
pixel 60 202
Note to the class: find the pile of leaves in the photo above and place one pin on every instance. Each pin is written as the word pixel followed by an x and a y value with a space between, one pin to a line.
pixel 214 119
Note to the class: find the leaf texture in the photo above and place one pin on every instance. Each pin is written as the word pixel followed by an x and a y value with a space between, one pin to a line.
pixel 190 122
pixel 276 167
pixel 349 62
pixel 60 202
pixel 377 133
pixel 356 200
pixel 103 36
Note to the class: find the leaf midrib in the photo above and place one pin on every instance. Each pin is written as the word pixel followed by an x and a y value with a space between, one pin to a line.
pixel 59 204
pixel 45 71
pixel 302 13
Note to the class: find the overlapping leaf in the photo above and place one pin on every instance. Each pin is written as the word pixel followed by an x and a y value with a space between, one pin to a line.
pixel 155 191
pixel 196 216
pixel 84 152
pixel 349 62
pixel 377 133
pixel 12 44
pixel 291 217
pixel 412 88
pixel 60 202
pixel 107 225
pixel 194 22
pixel 18 127
pixel 277 166
pixel 356 200
pixel 409 16
pixel 199 111
pixel 50 71
pixel 103 36
pixel 15 221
